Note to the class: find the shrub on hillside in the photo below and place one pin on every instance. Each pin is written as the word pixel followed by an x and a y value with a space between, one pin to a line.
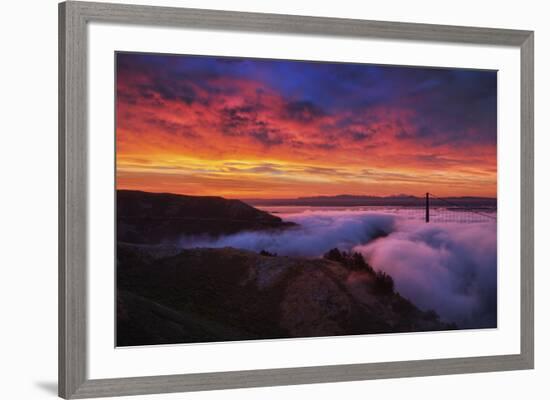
pixel 353 261
pixel 383 283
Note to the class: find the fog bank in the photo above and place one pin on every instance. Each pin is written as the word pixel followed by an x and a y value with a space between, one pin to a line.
pixel 448 267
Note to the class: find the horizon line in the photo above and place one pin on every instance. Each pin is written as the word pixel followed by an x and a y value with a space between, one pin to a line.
pixel 401 195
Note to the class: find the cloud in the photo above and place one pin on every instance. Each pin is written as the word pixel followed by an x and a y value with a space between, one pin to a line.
pixel 410 121
pixel 303 111
pixel 447 267
pixel 171 127
pixel 318 232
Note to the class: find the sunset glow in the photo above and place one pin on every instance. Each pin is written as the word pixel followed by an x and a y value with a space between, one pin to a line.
pixel 250 128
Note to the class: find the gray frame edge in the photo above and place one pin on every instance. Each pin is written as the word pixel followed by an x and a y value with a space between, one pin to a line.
pixel 73 19
pixel 72 200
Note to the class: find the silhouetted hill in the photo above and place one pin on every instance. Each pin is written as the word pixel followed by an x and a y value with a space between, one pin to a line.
pixel 153 218
pixel 205 295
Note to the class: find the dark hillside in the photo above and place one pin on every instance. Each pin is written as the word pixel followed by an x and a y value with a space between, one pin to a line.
pixel 153 218
pixel 205 295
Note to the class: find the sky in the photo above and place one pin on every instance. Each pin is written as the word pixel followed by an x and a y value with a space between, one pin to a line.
pixel 254 128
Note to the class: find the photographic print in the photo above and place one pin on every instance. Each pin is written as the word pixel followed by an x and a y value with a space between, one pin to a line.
pixel 275 199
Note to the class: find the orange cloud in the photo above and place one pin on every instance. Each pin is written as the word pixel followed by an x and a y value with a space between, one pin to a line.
pixel 241 138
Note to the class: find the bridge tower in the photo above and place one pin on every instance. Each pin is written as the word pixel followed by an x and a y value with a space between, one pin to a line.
pixel 427 207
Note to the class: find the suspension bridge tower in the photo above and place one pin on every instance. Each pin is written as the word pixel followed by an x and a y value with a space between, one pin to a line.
pixel 427 207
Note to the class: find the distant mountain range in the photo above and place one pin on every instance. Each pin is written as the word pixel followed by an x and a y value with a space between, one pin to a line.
pixel 359 200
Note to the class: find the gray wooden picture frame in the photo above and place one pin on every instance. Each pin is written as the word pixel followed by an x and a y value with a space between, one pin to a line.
pixel 73 172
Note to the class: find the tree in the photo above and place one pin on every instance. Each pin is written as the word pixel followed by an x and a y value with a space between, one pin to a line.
pixel 353 261
pixel 383 283
pixel 334 255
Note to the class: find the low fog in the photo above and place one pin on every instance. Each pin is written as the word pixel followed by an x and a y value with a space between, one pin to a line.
pixel 447 267
pixel 451 268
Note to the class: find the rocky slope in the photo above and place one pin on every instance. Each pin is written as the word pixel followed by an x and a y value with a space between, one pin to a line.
pixel 166 295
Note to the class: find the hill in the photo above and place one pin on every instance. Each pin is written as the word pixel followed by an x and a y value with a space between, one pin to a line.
pixel 153 218
pixel 205 295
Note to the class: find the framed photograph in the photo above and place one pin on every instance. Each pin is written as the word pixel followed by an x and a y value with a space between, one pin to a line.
pixel 255 199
